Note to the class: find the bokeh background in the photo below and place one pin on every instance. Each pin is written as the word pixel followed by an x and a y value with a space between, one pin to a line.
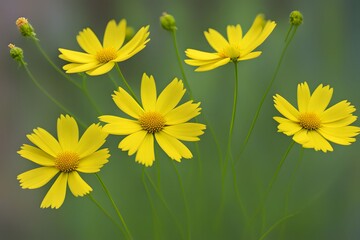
pixel 325 50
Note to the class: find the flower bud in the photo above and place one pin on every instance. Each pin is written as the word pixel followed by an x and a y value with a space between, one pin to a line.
pixel 168 22
pixel 16 53
pixel 296 18
pixel 25 27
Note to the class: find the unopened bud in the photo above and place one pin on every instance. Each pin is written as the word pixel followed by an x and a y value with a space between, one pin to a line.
pixel 25 27
pixel 16 53
pixel 296 18
pixel 168 22
pixel 130 32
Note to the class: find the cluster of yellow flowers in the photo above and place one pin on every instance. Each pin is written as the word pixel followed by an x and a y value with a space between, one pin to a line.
pixel 160 117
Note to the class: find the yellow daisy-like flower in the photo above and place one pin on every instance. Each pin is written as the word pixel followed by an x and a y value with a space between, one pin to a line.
pixel 312 125
pixel 100 59
pixel 158 118
pixel 235 49
pixel 66 156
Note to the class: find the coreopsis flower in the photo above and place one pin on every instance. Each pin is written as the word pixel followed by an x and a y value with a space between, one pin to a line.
pixel 67 156
pixel 158 118
pixel 101 58
pixel 236 48
pixel 313 125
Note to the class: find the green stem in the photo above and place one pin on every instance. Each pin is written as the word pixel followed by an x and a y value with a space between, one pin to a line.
pixel 243 146
pixel 173 34
pixel 155 218
pixel 263 236
pixel 105 212
pixel 48 95
pixel 66 76
pixel 125 82
pixel 185 201
pixel 272 181
pixel 113 81
pixel 158 192
pixel 86 92
pixel 128 234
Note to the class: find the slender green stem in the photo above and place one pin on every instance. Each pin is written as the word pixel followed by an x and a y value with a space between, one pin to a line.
pixel 105 212
pixel 86 92
pixel 48 95
pixel 187 212
pixel 113 81
pixel 155 217
pixel 128 234
pixel 271 183
pixel 125 82
pixel 243 146
pixel 263 236
pixel 158 192
pixel 173 34
pixel 66 76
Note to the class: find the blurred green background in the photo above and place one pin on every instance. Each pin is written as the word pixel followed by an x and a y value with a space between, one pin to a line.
pixel 325 50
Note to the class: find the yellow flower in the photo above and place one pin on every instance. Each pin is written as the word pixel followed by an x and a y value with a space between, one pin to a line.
pixel 66 156
pixel 158 118
pixel 235 49
pixel 312 124
pixel 100 59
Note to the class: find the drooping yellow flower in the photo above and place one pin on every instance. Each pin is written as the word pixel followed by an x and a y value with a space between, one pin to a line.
pixel 312 125
pixel 101 58
pixel 68 155
pixel 236 48
pixel 158 118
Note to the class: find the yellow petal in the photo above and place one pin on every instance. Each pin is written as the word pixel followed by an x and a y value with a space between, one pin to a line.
pixel 101 69
pixel 234 34
pixel 249 56
pixel 216 40
pixel 213 65
pixel 148 92
pixel 76 57
pixel 93 162
pixel 170 96
pixel 259 38
pixel 320 99
pixel 37 177
pixel 288 127
pixel 172 147
pixel 185 131
pixel 68 132
pixel 285 108
pixel 200 55
pixel 303 96
pixel 145 154
pixel 45 141
pixel 80 67
pixel 182 113
pixel 340 135
pixel 36 155
pixel 88 41
pixel 254 31
pixel 340 123
pixel 77 185
pixel 317 142
pixel 301 136
pixel 337 112
pixel 127 104
pixel 56 195
pixel 114 35
pixel 132 142
pixel 92 139
pixel 120 126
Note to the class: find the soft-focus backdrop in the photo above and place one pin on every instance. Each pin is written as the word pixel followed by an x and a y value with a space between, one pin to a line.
pixel 324 50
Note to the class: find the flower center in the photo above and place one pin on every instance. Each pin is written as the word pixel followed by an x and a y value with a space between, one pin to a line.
pixel 152 122
pixel 106 55
pixel 67 161
pixel 309 121
pixel 232 52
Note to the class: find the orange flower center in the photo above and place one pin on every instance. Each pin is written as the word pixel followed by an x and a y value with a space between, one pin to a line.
pixel 152 122
pixel 105 55
pixel 21 21
pixel 67 161
pixel 309 121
